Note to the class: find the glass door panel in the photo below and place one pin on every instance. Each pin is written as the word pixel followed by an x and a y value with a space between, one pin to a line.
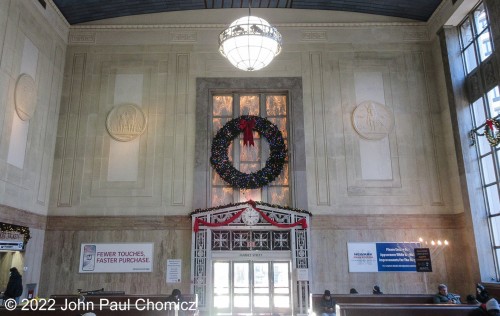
pixel 252 288
pixel 281 285
pixel 241 288
pixel 222 287
pixel 261 285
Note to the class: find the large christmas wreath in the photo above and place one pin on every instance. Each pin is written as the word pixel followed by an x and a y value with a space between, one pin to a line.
pixel 222 140
pixel 489 131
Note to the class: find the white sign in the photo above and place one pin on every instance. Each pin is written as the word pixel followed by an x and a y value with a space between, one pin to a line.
pixel 362 257
pixel 302 274
pixel 174 270
pixel 111 258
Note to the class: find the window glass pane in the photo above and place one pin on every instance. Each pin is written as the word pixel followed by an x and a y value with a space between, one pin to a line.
pixel 250 153
pixel 466 33
pixel 261 274
pixel 221 301
pixel 223 105
pixel 221 284
pixel 484 43
pixel 261 301
pixel 278 195
pixel 249 105
pixel 282 179
pixel 254 195
pixel 276 105
pixel 484 145
pixel 488 169
pixel 282 301
pixel 495 227
pixel 218 123
pixel 494 101
pixel 479 112
pixel 493 199
pixel 222 195
pixel 480 19
pixel 242 301
pixel 280 274
pixel 470 59
pixel 241 274
pixel 249 167
pixel 281 124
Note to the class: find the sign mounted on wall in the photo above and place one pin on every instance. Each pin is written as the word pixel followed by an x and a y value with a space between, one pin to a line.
pixel 113 258
pixel 174 270
pixel 382 256
pixel 423 259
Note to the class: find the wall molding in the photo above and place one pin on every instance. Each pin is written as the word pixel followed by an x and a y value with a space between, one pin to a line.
pixel 15 216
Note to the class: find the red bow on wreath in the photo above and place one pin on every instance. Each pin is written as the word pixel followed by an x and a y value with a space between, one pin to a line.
pixel 489 122
pixel 247 126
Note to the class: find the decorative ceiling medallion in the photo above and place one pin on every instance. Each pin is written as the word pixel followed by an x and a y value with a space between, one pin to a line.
pixel 125 122
pixel 372 120
pixel 25 97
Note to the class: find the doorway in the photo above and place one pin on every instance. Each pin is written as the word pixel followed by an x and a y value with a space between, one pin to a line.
pixel 252 288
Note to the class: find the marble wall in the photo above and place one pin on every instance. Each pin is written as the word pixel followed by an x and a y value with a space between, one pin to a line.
pixel 397 187
pixel 32 44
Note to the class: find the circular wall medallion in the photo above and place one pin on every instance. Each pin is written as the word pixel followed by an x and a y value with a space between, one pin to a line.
pixel 372 120
pixel 125 122
pixel 25 97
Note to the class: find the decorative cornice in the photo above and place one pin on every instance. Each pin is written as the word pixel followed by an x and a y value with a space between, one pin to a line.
pixel 222 26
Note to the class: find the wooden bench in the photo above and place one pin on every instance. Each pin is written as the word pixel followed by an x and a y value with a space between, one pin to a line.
pixel 405 310
pixel 315 299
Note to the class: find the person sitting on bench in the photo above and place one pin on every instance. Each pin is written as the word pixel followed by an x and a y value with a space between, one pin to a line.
pixel 443 297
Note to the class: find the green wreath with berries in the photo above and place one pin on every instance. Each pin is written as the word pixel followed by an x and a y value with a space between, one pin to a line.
pixel 246 124
pixel 489 131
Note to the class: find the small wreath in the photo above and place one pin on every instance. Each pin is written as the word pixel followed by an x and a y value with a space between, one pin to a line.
pixel 489 131
pixel 274 164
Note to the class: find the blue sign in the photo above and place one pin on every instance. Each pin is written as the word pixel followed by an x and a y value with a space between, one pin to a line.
pixel 396 257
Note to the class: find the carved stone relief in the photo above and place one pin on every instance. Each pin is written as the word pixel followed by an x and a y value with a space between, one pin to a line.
pixel 372 120
pixel 25 97
pixel 125 122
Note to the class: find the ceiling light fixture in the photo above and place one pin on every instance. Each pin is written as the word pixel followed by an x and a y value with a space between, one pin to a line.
pixel 250 43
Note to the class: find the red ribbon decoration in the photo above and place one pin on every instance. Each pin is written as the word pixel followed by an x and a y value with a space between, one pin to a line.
pixel 247 126
pixel 199 221
pixel 489 122
pixel 302 222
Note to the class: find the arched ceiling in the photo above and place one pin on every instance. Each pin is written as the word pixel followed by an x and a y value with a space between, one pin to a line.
pixel 80 11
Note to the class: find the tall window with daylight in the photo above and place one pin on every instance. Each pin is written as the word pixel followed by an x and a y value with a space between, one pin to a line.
pixel 248 159
pixel 477 51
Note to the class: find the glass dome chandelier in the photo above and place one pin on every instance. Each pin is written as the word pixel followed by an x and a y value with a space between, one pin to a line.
pixel 250 43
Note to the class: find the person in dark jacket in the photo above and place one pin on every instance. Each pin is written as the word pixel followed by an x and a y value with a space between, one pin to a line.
pixel 443 297
pixel 328 304
pixel 14 286
pixel 481 294
pixel 175 296
pixel 376 290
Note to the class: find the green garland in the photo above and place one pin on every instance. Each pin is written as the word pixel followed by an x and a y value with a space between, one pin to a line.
pixel 201 211
pixel 25 231
pixel 224 167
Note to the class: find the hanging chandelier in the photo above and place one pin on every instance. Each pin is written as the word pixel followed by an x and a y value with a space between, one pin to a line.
pixel 250 43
